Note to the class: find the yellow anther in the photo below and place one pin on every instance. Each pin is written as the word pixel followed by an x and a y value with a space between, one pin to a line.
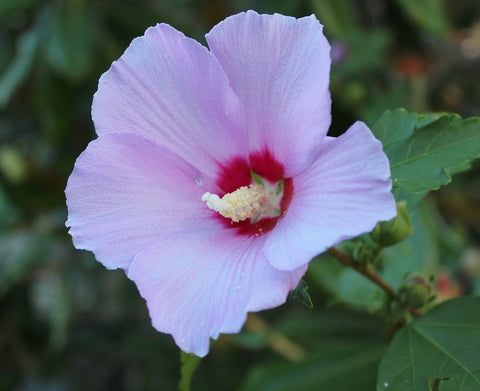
pixel 244 203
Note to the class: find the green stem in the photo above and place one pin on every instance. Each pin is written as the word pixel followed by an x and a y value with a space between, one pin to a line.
pixel 189 364
pixel 371 275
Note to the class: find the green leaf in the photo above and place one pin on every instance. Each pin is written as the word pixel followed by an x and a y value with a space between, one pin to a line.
pixel 71 47
pixel 428 14
pixel 337 16
pixel 8 212
pixel 418 253
pixel 394 126
pixel 50 298
pixel 442 348
pixel 425 150
pixel 28 46
pixel 189 363
pixel 301 293
pixel 344 285
pixel 342 350
pixel 12 164
pixel 366 52
pixel 476 286
pixel 342 368
pixel 421 161
pixel 7 6
pixel 20 252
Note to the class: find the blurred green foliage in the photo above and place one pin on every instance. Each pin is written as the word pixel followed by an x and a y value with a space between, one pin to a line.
pixel 68 324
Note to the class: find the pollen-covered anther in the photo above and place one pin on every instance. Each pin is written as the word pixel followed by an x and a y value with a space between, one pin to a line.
pixel 244 203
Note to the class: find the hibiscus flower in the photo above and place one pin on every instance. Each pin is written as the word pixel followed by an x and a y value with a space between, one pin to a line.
pixel 212 182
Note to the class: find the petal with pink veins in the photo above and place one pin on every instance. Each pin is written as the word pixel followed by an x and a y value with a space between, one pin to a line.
pixel 127 193
pixel 170 89
pixel 343 194
pixel 198 286
pixel 279 67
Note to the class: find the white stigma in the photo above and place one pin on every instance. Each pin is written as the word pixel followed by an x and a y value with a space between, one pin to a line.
pixel 247 202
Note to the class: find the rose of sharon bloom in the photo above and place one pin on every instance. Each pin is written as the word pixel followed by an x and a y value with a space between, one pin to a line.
pixel 212 182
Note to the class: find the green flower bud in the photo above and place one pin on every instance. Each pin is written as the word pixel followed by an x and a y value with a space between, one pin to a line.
pixel 365 253
pixel 388 233
pixel 416 292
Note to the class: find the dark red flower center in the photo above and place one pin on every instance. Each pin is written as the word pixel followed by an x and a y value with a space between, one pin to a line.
pixel 237 172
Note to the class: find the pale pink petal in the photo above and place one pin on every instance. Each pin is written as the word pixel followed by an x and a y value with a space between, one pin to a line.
pixel 344 194
pixel 198 286
pixel 126 193
pixel 279 67
pixel 170 89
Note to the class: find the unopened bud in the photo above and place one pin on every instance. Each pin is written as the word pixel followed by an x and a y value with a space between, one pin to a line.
pixel 388 233
pixel 416 292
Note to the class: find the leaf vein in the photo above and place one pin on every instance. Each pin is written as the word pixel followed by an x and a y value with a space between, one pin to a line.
pixel 409 160
pixel 447 353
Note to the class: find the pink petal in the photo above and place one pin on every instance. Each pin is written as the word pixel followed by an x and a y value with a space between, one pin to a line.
pixel 126 193
pixel 279 67
pixel 201 285
pixel 344 194
pixel 170 89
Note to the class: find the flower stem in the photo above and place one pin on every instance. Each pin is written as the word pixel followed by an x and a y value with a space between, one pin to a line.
pixel 189 363
pixel 371 275
pixel 278 342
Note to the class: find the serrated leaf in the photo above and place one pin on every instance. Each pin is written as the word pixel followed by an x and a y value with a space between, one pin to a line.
pixel 421 161
pixel 394 126
pixel 441 347
pixel 425 150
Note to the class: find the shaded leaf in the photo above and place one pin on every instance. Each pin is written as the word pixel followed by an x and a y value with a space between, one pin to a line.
pixel 301 293
pixel 340 369
pixel 7 6
pixel 428 14
pixel 338 356
pixel 441 347
pixel 71 47
pixel 344 285
pixel 50 298
pixel 8 212
pixel 338 17
pixel 20 251
pixel 366 52
pixel 28 46
pixel 418 253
